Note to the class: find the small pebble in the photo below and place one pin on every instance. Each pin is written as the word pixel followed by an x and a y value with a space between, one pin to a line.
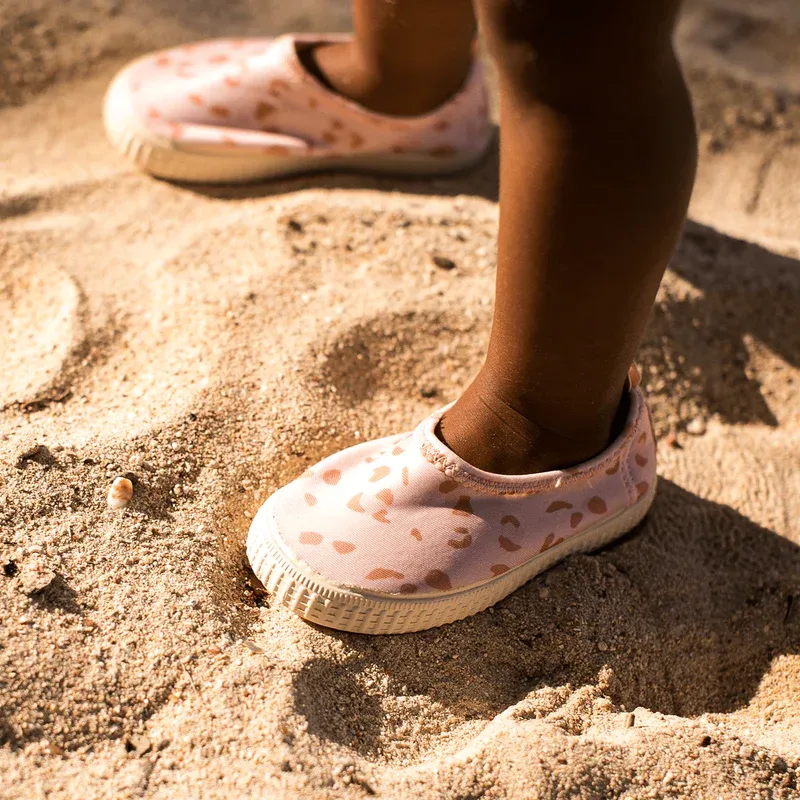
pixel 731 116
pixel 120 493
pixel 602 647
pixel 54 749
pixel 428 392
pixel 696 426
pixel 762 120
pixel 35 578
pixel 630 721
pixel 252 646
pixel 443 262
pixel 138 744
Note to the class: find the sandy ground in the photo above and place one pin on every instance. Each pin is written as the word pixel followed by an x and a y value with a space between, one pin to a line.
pixel 195 340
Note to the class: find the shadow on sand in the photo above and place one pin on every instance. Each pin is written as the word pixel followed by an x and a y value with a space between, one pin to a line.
pixel 688 611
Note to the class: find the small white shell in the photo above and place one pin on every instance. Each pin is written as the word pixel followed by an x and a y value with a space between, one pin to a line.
pixel 120 493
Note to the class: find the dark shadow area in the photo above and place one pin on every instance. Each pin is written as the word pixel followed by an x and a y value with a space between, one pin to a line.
pixel 8 735
pixel 699 346
pixel 37 454
pixel 58 594
pixel 743 274
pixel 688 612
pixel 479 181
pixel 361 362
pixel 18 206
pixel 338 707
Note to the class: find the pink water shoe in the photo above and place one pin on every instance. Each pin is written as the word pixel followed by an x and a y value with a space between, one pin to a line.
pixel 238 110
pixel 400 534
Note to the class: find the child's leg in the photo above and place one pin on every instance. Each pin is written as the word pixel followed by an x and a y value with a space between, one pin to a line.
pixel 597 163
pixel 407 57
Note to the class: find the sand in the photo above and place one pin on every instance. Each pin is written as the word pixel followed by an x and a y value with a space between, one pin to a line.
pixel 211 343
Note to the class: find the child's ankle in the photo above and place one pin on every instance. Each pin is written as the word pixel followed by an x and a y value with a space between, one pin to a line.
pixel 340 69
pixel 500 434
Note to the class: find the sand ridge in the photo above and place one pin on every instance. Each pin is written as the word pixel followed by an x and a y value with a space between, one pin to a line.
pixel 210 343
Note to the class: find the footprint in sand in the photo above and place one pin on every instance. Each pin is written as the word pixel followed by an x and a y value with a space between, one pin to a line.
pixel 42 309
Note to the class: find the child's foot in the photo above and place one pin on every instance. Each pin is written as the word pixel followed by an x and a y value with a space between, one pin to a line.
pixel 400 534
pixel 232 111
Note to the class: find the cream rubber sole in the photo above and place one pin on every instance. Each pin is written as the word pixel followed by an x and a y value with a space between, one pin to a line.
pixel 166 158
pixel 305 592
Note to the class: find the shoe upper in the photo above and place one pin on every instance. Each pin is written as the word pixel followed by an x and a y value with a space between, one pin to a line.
pixel 405 515
pixel 254 94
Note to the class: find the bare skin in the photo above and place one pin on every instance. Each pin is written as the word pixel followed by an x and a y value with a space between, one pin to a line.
pixel 406 58
pixel 597 162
